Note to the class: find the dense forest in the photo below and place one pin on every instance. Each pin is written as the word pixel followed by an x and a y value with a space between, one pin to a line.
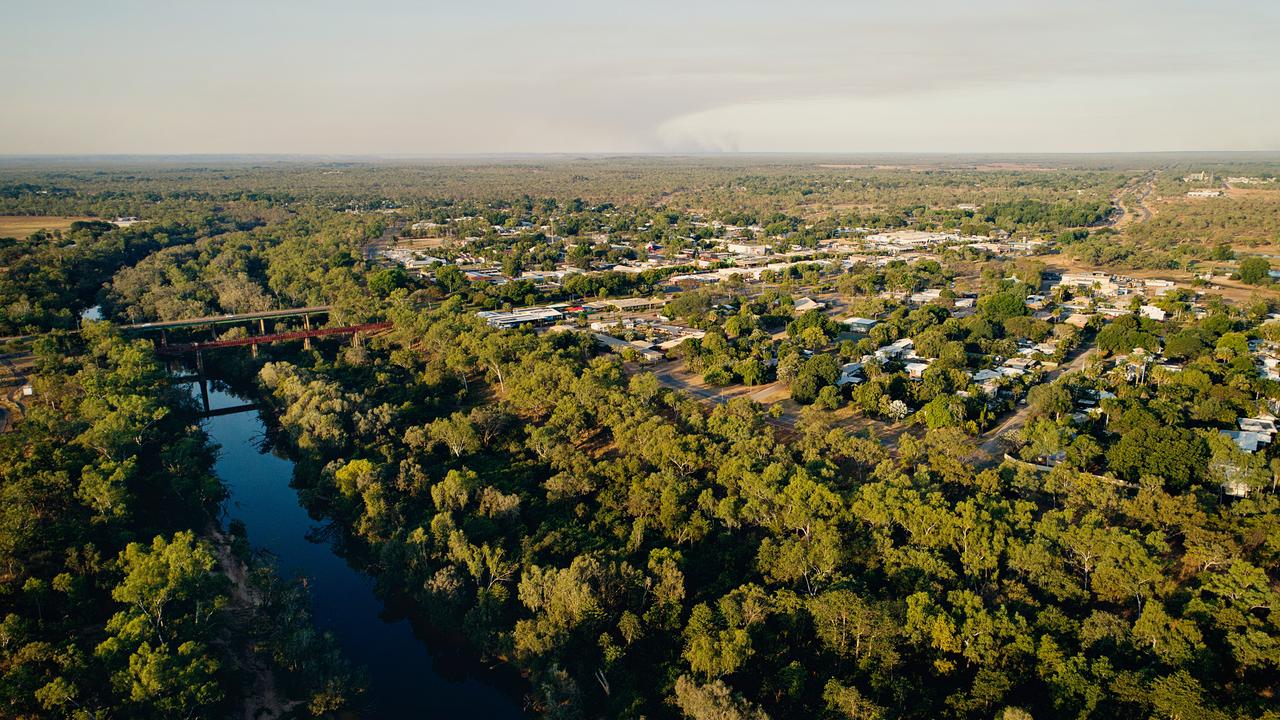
pixel 116 597
pixel 611 537
pixel 632 551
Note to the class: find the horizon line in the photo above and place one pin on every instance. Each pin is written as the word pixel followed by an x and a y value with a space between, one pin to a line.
pixel 624 153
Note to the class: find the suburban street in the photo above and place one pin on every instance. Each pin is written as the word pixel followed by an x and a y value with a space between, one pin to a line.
pixel 1019 418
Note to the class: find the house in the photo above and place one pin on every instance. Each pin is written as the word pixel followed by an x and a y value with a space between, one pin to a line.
pixel 805 304
pixel 1269 367
pixel 850 374
pixel 860 324
pixel 1044 348
pixel 897 349
pixel 1153 312
pixel 988 380
pixel 916 369
pixel 964 307
pixel 1263 425
pixel 1247 441
pixel 926 296
pixel 1021 363
pixel 1078 320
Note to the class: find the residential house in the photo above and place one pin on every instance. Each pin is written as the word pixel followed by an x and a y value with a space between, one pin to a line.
pixel 805 304
pixel 850 374
pixel 926 296
pixel 860 324
pixel 1152 312
pixel 915 370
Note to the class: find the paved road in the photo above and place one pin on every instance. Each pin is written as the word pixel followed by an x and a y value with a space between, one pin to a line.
pixel 1144 186
pixel 372 249
pixel 1019 418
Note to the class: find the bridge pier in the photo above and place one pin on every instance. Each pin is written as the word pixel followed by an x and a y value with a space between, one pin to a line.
pixel 204 381
pixel 306 324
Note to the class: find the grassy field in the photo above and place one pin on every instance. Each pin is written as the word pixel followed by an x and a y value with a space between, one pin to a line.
pixel 20 226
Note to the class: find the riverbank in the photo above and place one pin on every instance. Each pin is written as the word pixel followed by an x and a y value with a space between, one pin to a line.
pixel 261 699
pixel 412 671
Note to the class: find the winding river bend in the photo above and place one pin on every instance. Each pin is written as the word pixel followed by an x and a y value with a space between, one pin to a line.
pixel 409 676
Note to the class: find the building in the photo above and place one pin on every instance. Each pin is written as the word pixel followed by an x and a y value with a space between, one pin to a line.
pixel 897 349
pixel 850 374
pixel 926 296
pixel 1152 312
pixel 1103 282
pixel 805 304
pixel 964 307
pixel 860 324
pixel 1263 424
pixel 490 276
pixel 641 347
pixel 627 304
pixel 1246 440
pixel 747 249
pixel 523 316
pixel 900 240
pixel 1078 320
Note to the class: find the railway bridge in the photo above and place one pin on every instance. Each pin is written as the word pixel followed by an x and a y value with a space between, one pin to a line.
pixel 254 321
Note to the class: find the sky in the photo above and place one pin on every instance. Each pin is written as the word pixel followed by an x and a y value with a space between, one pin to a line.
pixel 659 76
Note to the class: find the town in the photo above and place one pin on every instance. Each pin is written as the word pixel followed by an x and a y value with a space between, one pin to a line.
pixel 754 437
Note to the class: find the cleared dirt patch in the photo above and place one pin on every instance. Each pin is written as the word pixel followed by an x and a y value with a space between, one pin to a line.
pixel 406 243
pixel 21 226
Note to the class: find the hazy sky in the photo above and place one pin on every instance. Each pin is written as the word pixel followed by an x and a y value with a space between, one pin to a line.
pixel 285 76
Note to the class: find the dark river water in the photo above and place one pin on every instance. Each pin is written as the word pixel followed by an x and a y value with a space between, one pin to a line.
pixel 409 677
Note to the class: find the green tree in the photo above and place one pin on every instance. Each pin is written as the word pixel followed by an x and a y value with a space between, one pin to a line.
pixel 1255 271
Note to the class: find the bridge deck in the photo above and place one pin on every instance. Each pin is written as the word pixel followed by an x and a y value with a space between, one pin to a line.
pixel 226 319
pixel 195 322
pixel 183 348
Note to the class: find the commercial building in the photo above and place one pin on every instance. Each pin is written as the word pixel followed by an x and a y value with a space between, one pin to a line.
pixel 523 316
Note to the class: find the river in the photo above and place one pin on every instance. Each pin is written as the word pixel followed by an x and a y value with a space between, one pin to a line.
pixel 409 677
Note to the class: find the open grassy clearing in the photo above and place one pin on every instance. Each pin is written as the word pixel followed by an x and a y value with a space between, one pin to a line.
pixel 21 226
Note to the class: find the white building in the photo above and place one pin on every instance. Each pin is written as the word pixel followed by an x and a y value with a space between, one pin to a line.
pixel 850 374
pixel 747 249
pixel 805 304
pixel 1152 312
pixel 522 316
pixel 897 349
pixel 926 296
pixel 916 369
